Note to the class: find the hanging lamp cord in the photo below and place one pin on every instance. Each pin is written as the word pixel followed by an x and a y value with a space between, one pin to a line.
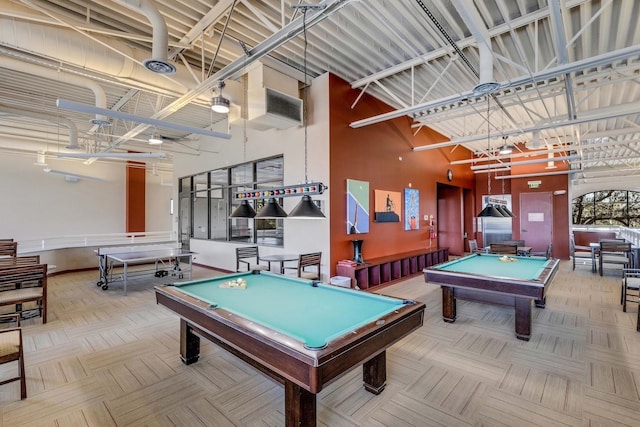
pixel 304 93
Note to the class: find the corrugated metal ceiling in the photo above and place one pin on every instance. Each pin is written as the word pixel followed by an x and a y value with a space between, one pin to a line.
pixel 569 69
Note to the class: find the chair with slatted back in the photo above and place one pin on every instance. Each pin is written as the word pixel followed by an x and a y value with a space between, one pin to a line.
pixel 546 253
pixel 249 256
pixel 8 249
pixel 513 242
pixel 305 261
pixel 614 252
pixel 630 292
pixel 581 254
pixel 503 249
pixel 473 247
pixel 11 351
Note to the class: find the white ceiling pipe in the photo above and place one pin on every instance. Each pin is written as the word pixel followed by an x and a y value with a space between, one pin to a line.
pixel 72 79
pixel 524 162
pixel 159 62
pixel 473 20
pixel 120 61
pixel 73 131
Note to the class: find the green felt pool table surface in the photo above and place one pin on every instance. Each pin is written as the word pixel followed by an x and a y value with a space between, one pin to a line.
pixel 520 268
pixel 313 314
pixel 300 333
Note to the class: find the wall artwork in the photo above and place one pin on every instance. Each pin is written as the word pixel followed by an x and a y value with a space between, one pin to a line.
pixel 357 206
pixel 411 209
pixel 388 205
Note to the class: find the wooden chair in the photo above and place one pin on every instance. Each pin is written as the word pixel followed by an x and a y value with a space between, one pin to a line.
pixel 503 249
pixel 546 254
pixel 630 287
pixel 19 260
pixel 310 260
pixel 614 252
pixel 8 249
pixel 513 242
pixel 250 257
pixel 473 247
pixel 11 351
pixel 581 253
pixel 23 285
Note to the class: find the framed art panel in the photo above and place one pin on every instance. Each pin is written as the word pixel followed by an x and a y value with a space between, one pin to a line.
pixel 357 206
pixel 388 206
pixel 411 209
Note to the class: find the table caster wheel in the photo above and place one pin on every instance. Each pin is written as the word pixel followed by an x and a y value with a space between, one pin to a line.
pixel 105 287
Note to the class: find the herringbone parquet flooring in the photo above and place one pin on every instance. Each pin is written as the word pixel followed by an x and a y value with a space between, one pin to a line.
pixel 105 359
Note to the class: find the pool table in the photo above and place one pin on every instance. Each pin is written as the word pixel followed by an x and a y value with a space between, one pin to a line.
pixel 512 280
pixel 302 333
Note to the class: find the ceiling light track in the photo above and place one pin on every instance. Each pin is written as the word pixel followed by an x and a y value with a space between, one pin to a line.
pixel 90 109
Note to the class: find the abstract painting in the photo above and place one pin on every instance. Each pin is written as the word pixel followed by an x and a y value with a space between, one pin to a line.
pixel 411 209
pixel 357 206
pixel 388 206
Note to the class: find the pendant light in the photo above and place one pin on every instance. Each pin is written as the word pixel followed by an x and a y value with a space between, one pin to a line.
pixel 271 210
pixel 489 211
pixel 305 209
pixel 220 104
pixel 244 211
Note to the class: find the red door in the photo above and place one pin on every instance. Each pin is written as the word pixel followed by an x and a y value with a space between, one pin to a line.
pixel 536 219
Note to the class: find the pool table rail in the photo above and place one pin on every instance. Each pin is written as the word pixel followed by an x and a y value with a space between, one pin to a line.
pixel 484 288
pixel 283 355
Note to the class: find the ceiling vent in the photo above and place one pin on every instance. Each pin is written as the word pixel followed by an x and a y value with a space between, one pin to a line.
pixel 272 100
pixel 269 108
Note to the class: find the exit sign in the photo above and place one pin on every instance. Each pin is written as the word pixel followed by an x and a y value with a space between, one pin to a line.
pixel 534 184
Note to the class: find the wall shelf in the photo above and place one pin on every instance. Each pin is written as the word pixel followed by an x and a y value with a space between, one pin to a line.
pixel 388 269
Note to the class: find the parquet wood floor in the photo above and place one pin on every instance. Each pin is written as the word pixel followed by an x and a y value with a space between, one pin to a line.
pixel 105 359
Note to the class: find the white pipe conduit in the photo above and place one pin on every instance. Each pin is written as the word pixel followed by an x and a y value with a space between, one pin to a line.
pixel 159 62
pixel 27 112
pixel 473 20
pixel 72 79
pixel 41 40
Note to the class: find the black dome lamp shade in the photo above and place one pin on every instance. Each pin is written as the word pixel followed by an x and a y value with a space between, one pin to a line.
pixel 271 210
pixel 243 211
pixel 306 209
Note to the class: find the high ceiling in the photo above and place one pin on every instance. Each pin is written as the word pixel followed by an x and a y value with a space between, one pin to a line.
pixel 567 71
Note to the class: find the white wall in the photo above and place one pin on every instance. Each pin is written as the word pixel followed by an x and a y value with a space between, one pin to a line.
pixel 300 235
pixel 38 205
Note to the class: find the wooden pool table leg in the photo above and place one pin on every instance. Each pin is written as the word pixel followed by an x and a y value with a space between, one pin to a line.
pixel 523 318
pixel 541 303
pixel 299 406
pixel 189 344
pixel 374 373
pixel 448 304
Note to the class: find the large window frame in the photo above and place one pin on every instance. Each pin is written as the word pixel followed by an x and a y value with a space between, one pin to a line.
pixel 210 199
pixel 607 207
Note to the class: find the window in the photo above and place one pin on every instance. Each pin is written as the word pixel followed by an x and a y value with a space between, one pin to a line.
pixel 611 207
pixel 210 199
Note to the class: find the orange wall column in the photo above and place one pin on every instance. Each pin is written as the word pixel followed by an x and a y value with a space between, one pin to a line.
pixel 136 197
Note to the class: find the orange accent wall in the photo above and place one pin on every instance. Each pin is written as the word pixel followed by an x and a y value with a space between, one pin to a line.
pixel 372 153
pixel 517 186
pixel 135 197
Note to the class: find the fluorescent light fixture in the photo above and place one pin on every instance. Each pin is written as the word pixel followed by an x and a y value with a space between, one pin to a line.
pixel 506 149
pixel 132 156
pixel 72 177
pixel 220 104
pixel 155 139
pixel 90 109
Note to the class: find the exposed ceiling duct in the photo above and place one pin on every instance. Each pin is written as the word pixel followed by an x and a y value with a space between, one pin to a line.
pixel 106 57
pixel 159 62
pixel 73 132
pixel 73 79
pixel 472 19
